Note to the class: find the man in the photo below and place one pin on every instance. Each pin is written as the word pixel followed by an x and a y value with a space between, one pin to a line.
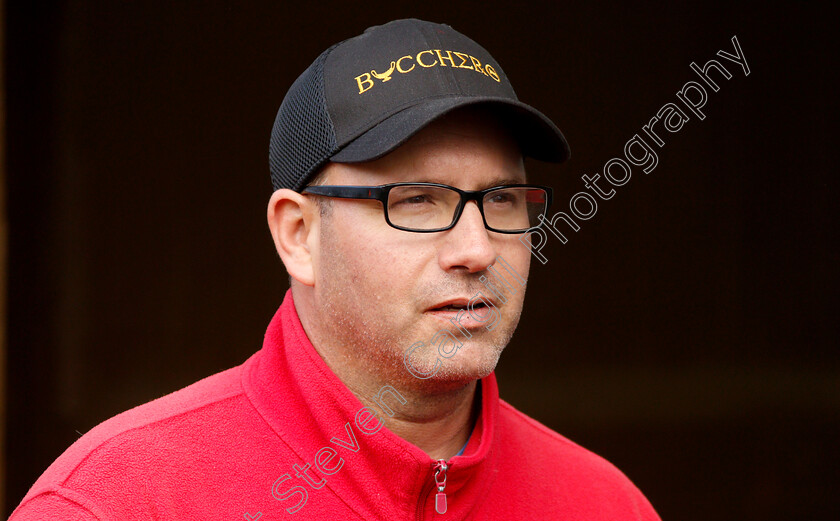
pixel 400 196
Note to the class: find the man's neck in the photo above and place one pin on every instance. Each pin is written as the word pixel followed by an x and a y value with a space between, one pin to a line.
pixel 438 422
pixel 439 425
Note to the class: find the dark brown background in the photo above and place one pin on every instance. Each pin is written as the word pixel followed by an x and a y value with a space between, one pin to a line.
pixel 688 332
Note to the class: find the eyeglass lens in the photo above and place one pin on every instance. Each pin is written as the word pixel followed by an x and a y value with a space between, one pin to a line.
pixel 420 207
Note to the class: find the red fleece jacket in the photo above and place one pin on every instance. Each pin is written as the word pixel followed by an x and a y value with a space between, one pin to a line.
pixel 281 433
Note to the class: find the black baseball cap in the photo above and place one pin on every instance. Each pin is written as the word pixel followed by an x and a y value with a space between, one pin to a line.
pixel 365 96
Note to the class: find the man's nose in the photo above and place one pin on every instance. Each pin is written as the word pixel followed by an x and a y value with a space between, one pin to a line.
pixel 467 244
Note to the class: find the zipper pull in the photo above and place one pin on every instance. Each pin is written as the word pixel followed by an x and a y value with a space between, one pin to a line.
pixel 440 497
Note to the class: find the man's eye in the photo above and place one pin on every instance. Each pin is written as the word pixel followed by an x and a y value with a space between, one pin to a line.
pixel 500 198
pixel 415 200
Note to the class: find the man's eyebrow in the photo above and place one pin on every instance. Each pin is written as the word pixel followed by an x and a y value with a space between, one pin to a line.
pixel 501 181
pixel 496 181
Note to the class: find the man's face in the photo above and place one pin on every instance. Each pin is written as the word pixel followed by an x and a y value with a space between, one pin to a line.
pixel 376 287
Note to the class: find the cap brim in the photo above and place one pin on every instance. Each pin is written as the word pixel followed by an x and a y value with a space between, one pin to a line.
pixel 538 137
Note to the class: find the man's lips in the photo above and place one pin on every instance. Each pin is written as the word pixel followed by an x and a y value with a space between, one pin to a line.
pixel 459 303
pixel 448 309
pixel 450 304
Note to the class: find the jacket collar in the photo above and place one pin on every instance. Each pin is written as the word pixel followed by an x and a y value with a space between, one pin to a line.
pixel 307 406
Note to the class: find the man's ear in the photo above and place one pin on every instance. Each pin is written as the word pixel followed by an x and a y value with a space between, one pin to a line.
pixel 293 220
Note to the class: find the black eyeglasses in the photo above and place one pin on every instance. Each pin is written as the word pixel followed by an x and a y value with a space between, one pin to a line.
pixel 432 207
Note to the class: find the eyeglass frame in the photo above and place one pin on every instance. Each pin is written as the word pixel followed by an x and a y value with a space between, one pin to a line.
pixel 380 193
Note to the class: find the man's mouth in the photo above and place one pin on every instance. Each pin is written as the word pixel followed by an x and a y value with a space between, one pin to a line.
pixel 455 304
pixel 458 307
pixel 450 309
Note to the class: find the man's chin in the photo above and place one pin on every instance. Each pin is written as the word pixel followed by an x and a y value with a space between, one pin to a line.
pixel 459 370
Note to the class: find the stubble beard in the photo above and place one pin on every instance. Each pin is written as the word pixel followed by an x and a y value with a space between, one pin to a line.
pixel 371 335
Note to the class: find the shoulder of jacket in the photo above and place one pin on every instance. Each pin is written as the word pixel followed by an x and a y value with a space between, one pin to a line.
pixel 57 503
pixel 132 427
pixel 552 445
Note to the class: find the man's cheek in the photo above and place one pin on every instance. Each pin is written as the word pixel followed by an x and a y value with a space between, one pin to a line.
pixel 512 312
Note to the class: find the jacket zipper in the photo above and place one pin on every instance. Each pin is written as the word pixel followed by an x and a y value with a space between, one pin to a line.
pixel 438 474
pixel 440 498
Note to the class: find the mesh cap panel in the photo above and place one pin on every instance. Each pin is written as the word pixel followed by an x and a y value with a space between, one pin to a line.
pixel 303 137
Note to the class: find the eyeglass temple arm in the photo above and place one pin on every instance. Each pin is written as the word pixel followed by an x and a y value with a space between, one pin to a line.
pixel 347 192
